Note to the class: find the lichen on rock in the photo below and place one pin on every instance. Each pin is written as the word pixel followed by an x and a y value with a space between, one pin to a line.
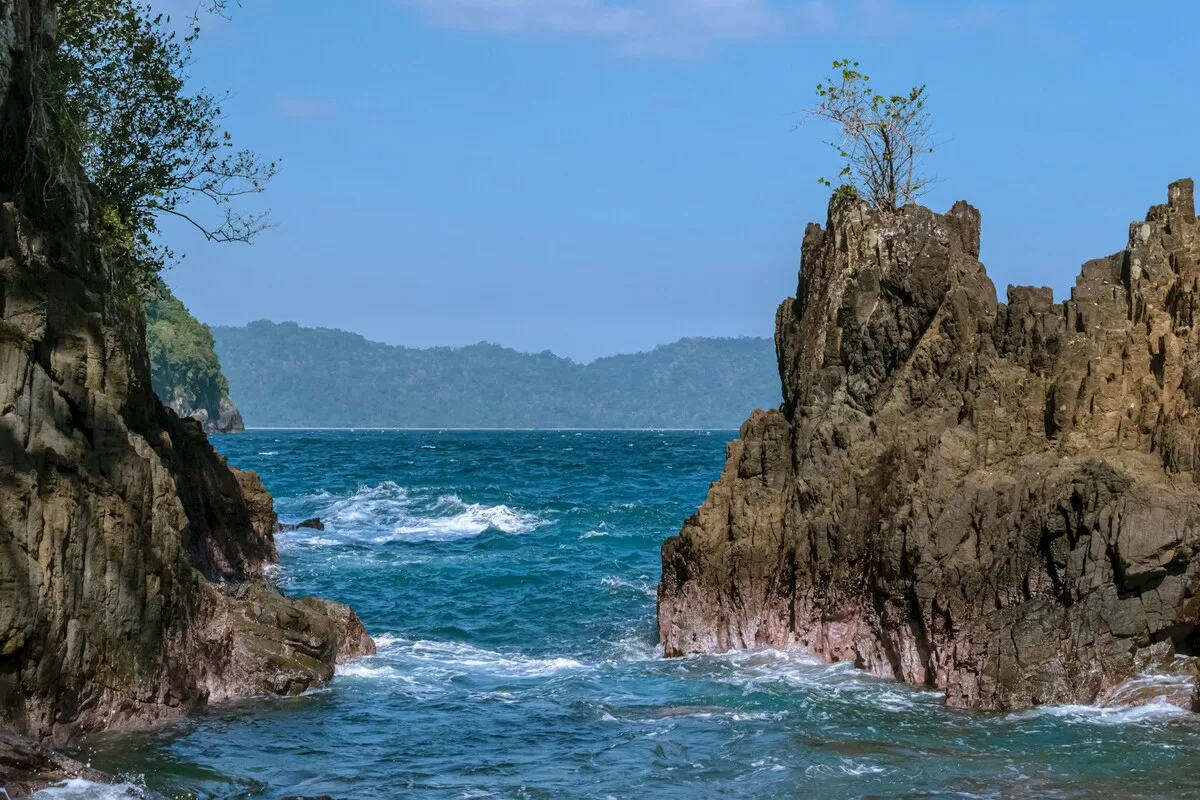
pixel 998 500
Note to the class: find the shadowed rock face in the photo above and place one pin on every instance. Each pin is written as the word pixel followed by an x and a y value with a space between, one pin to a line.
pixel 997 500
pixel 131 556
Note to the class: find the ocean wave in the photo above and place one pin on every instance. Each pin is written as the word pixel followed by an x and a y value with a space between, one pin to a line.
pixel 826 685
pixel 388 512
pixel 80 789
pixel 358 669
pixel 1157 710
pixel 641 585
pixel 456 656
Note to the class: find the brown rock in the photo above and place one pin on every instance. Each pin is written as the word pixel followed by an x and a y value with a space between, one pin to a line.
pixel 131 557
pixel 997 500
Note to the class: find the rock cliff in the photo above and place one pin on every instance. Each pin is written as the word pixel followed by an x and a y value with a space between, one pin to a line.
pixel 131 556
pixel 997 500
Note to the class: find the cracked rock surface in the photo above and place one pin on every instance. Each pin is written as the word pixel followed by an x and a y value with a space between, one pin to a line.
pixel 131 556
pixel 996 499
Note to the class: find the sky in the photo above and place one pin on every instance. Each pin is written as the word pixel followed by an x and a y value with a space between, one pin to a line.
pixel 601 176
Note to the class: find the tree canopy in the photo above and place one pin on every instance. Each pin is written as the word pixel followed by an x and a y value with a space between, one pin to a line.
pixel 150 145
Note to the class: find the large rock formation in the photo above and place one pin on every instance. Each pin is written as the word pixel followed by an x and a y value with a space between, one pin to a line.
pixel 131 556
pixel 997 500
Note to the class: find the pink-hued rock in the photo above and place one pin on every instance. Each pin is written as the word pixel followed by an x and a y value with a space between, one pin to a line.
pixel 998 500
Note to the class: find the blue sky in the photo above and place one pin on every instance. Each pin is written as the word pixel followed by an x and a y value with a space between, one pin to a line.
pixel 601 176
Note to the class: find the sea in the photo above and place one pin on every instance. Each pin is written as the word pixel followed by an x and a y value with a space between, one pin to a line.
pixel 509 580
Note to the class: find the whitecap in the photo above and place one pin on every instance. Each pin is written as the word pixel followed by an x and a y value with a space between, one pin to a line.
pixel 643 585
pixel 1158 710
pixel 358 669
pixel 592 534
pixel 473 519
pixel 269 453
pixel 389 512
pixel 80 789
pixel 458 656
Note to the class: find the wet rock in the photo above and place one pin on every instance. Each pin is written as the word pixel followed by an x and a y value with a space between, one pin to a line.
pixel 998 500
pixel 27 767
pixel 312 524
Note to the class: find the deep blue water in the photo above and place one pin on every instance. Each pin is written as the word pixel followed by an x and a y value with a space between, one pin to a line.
pixel 509 580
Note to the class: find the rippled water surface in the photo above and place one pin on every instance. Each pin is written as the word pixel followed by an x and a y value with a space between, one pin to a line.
pixel 509 581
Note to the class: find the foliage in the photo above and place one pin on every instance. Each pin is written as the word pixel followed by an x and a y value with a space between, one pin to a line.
pixel 183 361
pixel 286 375
pixel 883 138
pixel 150 147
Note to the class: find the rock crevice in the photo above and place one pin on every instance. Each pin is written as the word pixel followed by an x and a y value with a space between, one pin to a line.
pixel 131 556
pixel 996 499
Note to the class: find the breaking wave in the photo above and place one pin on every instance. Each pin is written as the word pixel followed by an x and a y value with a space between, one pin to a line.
pixel 389 512
pixel 459 655
pixel 80 789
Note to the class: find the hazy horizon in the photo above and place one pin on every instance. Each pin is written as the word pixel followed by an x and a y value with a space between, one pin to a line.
pixel 603 176
pixel 490 342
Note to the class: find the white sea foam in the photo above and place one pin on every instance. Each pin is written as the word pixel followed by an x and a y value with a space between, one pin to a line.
pixel 80 789
pixel 269 453
pixel 358 669
pixel 389 512
pixel 641 585
pixel 427 657
pixel 826 684
pixel 458 654
pixel 1157 710
pixel 593 534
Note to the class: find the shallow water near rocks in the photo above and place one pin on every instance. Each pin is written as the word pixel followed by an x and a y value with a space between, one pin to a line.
pixel 509 580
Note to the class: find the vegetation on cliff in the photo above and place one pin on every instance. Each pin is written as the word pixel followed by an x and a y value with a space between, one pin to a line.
pixel 184 369
pixel 151 147
pixel 289 376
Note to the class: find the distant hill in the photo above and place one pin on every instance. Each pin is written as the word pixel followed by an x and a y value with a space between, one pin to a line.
pixel 284 375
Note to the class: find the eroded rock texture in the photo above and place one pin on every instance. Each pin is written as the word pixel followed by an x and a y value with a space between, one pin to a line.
pixel 131 556
pixel 999 500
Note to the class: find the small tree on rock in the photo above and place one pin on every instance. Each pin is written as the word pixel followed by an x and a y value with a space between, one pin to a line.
pixel 883 138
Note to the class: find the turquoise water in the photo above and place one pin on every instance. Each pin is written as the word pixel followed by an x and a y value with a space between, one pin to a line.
pixel 509 580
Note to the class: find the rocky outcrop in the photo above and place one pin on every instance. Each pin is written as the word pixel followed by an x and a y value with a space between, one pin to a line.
pixel 131 556
pixel 998 500
pixel 227 419
pixel 313 523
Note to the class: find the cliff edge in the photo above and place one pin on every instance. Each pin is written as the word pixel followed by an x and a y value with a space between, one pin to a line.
pixel 131 556
pixel 997 500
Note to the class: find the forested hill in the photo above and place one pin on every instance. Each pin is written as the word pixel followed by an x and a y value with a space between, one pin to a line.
pixel 284 375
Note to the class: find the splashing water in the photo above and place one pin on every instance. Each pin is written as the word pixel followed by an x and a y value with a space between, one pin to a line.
pixel 509 579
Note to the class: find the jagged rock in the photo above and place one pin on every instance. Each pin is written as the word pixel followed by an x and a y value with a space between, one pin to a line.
pixel 312 524
pixel 227 420
pixel 997 500
pixel 131 556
